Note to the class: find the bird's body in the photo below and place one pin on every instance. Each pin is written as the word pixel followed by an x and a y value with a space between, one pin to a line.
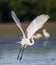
pixel 27 39
pixel 26 42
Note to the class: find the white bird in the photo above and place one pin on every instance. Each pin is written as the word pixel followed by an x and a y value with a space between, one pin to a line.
pixel 27 39
pixel 45 33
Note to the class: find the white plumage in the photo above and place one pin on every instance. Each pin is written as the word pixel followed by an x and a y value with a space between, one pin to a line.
pixel 35 25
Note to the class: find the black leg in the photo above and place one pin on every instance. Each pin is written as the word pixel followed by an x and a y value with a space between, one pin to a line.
pixel 21 54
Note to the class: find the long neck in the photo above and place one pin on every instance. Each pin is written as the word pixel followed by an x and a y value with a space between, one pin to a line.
pixel 32 41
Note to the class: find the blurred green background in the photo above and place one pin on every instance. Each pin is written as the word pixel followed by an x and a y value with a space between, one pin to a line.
pixel 26 10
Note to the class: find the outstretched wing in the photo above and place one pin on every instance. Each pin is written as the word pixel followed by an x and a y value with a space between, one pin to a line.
pixel 36 24
pixel 17 21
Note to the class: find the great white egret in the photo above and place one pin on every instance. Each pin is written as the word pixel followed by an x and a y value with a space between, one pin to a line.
pixel 27 38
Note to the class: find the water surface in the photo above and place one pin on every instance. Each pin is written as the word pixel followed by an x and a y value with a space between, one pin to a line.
pixel 35 55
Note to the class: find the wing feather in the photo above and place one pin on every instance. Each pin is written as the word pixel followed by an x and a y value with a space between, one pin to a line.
pixel 17 21
pixel 36 24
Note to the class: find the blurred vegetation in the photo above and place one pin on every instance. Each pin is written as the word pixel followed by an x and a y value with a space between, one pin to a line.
pixel 27 10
